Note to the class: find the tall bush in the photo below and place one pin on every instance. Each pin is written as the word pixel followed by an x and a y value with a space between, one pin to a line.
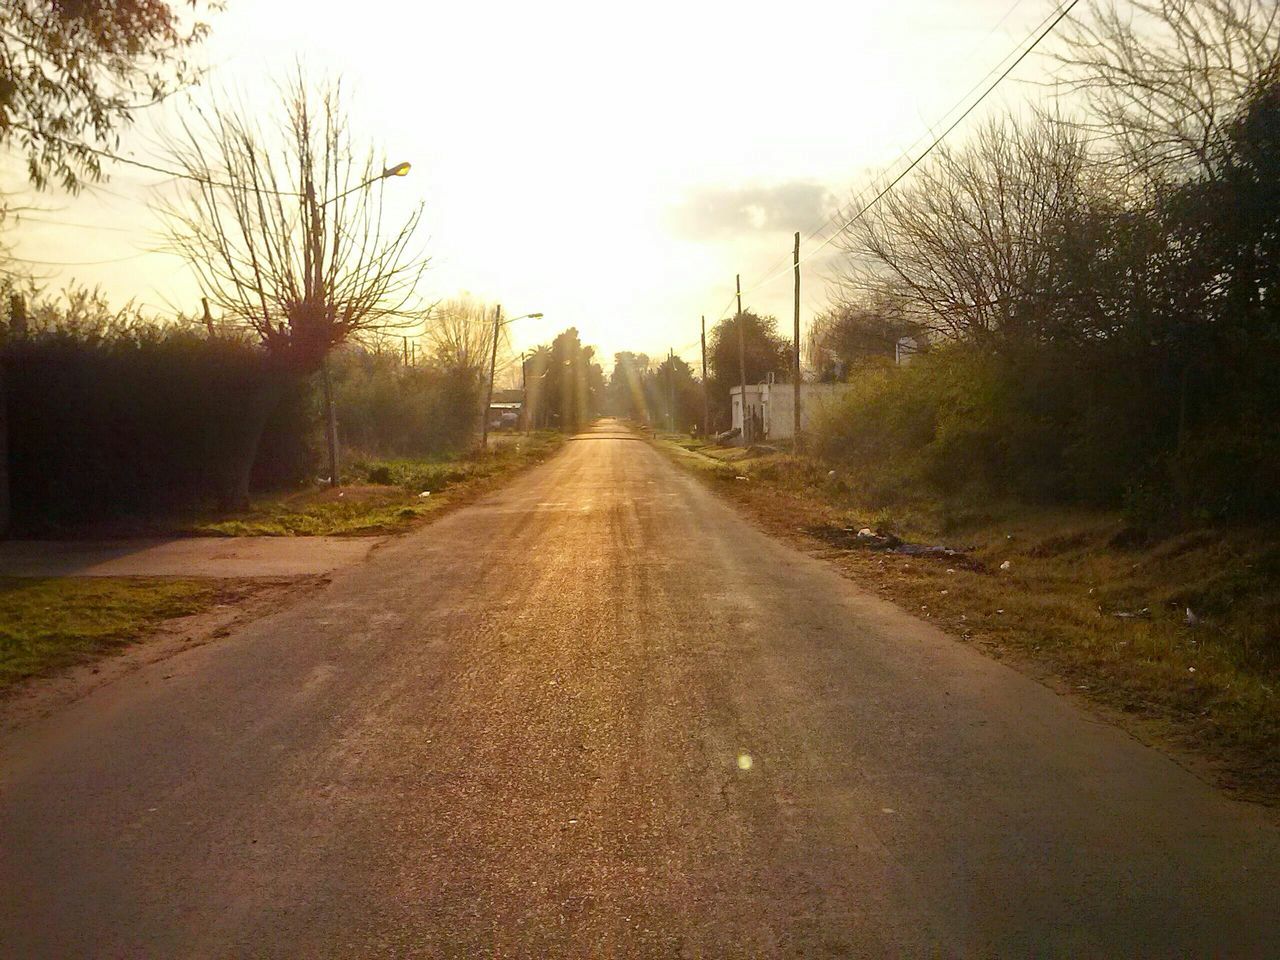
pixel 136 420
pixel 391 410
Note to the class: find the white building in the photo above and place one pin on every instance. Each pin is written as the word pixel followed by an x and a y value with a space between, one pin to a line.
pixel 771 404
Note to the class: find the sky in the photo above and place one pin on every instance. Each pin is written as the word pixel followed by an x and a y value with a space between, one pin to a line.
pixel 612 167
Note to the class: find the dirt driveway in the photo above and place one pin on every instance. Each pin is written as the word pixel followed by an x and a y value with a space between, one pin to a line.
pixel 229 557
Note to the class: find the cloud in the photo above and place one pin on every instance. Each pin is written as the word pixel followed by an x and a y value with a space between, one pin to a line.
pixel 712 212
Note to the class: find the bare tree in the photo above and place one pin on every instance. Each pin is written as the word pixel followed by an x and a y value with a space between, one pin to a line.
pixel 460 336
pixel 959 252
pixel 289 237
pixel 1164 78
pixel 850 330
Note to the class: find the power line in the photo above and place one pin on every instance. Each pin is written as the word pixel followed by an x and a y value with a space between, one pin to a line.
pixel 773 264
pixel 1062 13
pixel 20 219
pixel 144 165
pixel 1059 14
pixel 971 91
pixel 84 263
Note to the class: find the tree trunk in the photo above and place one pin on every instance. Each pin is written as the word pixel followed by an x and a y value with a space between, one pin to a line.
pixel 1181 483
pixel 4 453
pixel 330 424
pixel 235 493
pixel 17 329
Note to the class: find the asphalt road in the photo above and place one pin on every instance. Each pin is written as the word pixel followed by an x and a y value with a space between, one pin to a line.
pixel 598 714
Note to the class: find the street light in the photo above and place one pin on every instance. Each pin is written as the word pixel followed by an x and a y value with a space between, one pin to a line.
pixel 399 170
pixel 316 251
pixel 498 323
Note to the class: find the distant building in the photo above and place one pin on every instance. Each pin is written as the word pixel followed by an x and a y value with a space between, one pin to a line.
pixel 505 409
pixel 770 406
pixel 906 348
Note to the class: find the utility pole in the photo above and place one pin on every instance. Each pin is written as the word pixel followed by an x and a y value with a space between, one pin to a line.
pixel 671 389
pixel 406 350
pixel 524 391
pixel 706 402
pixel 795 354
pixel 742 366
pixel 331 421
pixel 314 266
pixel 493 366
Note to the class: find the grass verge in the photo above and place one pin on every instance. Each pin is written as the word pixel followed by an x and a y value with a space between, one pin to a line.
pixel 50 623
pixel 384 496
pixel 1078 599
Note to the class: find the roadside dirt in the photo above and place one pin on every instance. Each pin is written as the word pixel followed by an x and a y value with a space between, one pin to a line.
pixel 804 522
pixel 230 558
pixel 242 599
pixel 239 602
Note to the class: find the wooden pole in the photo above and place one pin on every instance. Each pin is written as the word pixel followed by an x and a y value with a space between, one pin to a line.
pixel 313 265
pixel 795 354
pixel 331 422
pixel 671 390
pixel 493 366
pixel 524 391
pixel 742 366
pixel 706 401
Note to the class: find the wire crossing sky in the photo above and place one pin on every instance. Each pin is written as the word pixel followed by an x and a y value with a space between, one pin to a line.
pixel 612 169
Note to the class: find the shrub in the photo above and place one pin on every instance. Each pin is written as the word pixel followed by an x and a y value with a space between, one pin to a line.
pixel 137 420
pixel 1105 425
pixel 388 410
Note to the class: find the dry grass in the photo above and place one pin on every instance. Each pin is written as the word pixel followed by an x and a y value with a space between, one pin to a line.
pixel 1207 691
pixel 54 622
pixel 362 508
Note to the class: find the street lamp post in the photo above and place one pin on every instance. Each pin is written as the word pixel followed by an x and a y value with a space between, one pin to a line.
pixel 498 323
pixel 315 280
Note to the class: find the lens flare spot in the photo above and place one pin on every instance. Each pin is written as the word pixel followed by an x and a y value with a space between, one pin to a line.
pixel 744 761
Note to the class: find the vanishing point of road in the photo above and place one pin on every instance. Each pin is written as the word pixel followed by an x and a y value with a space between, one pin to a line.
pixel 599 714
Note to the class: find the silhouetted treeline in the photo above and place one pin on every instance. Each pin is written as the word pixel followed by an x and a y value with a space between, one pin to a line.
pixel 110 415
pixel 139 421
pixel 564 386
pixel 388 409
pixel 664 395
pixel 764 352
pixel 667 392
pixel 1098 290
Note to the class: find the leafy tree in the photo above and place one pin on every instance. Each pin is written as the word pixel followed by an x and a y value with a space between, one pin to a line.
pixel 565 385
pixel 72 72
pixel 675 395
pixel 764 352
pixel 1103 285
pixel 627 387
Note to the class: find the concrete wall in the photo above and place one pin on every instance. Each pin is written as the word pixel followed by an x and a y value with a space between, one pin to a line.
pixel 815 399
pixel 756 392
pixel 775 401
